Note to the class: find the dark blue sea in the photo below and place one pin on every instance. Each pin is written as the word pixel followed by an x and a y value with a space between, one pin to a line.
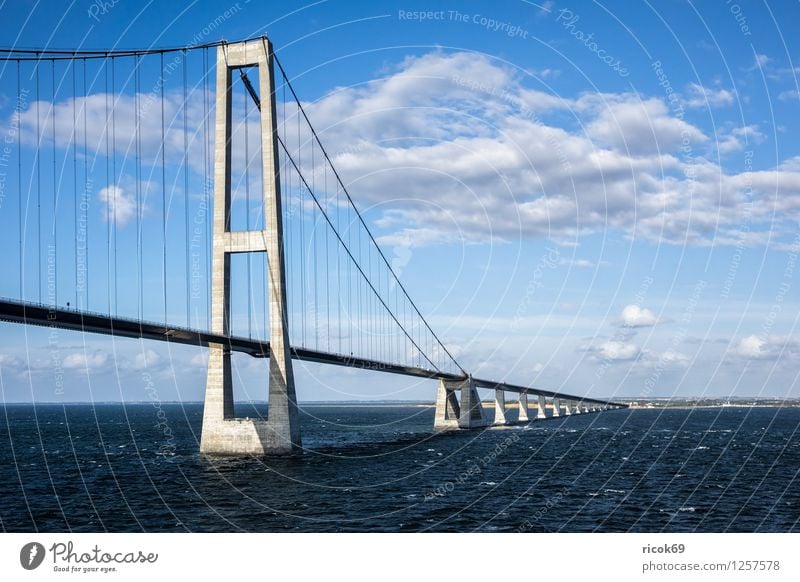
pixel 380 469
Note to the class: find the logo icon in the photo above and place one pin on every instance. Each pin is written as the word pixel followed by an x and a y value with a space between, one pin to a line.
pixel 31 555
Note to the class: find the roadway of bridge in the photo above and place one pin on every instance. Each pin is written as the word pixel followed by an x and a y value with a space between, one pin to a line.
pixel 71 319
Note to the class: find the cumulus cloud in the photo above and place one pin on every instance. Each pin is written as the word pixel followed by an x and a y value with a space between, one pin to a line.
pixel 578 263
pixel 700 96
pixel 642 127
pixel 635 316
pixel 11 362
pixel 459 147
pixel 456 148
pixel 738 137
pixel 119 206
pixel 768 347
pixel 83 360
pixel 617 350
pixel 146 359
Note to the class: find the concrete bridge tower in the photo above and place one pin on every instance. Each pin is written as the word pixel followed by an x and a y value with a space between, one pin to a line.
pixel 222 433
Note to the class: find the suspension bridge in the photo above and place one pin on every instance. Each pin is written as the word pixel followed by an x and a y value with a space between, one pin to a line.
pixel 223 223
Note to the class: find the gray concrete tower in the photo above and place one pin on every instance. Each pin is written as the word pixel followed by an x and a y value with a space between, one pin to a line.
pixel 222 433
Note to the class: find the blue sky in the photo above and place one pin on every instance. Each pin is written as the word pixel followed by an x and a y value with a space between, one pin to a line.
pixel 597 198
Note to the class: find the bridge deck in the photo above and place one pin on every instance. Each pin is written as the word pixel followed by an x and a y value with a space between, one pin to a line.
pixel 58 317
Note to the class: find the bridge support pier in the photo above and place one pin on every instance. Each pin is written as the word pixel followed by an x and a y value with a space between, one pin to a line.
pixel 556 407
pixel 448 410
pixel 499 407
pixel 541 408
pixel 222 433
pixel 472 413
pixel 523 407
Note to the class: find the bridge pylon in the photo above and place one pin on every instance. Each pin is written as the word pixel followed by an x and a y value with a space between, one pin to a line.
pixel 223 434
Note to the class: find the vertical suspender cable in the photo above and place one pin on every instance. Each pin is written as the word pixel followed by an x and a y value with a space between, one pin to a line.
pixel 55 184
pixel 314 253
pixel 327 268
pixel 163 194
pixel 186 182
pixel 206 189
pixel 109 194
pixel 287 192
pixel 138 137
pixel 19 182
pixel 117 192
pixel 75 174
pixel 86 177
pixel 302 235
pixel 247 210
pixel 38 185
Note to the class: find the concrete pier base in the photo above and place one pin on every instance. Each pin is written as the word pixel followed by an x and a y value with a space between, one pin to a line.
pixel 523 407
pixel 541 408
pixel 500 407
pixel 556 407
pixel 565 410
pixel 448 410
pixel 472 413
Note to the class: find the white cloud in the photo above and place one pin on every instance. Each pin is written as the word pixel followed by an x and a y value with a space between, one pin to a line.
pixel 635 316
pixel 11 362
pixel 617 350
pixel 770 347
pixel 760 61
pixel 146 359
pixel 456 149
pixel 82 360
pixel 791 95
pixel 119 206
pixel 738 137
pixel 642 127
pixel 701 96
pixel 750 347
pixel 673 358
pixel 578 263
